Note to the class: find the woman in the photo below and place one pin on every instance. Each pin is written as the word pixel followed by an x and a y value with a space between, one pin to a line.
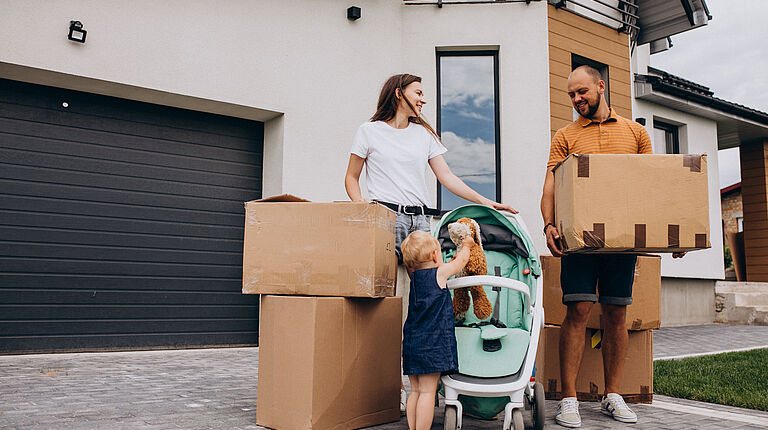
pixel 396 146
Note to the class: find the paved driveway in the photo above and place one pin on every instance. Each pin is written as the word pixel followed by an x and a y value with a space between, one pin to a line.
pixel 216 389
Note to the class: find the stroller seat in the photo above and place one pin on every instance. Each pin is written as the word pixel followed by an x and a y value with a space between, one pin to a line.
pixel 475 361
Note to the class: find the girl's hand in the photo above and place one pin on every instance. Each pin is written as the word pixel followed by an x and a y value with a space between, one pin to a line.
pixel 468 242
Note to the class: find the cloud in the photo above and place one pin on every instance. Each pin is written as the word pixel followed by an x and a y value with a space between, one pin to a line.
pixel 466 80
pixel 472 160
pixel 474 115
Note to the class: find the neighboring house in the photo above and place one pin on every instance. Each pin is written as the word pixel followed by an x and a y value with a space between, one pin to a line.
pixel 125 159
pixel 686 117
pixel 733 212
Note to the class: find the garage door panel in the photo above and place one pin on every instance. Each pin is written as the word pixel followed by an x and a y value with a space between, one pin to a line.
pixel 121 223
pixel 117 268
pixel 94 297
pixel 99 182
pixel 121 168
pixel 91 111
pixel 33 147
pixel 84 237
pixel 41 197
pixel 112 253
pixel 87 312
pixel 55 220
pixel 132 283
pixel 214 148
pixel 33 344
pixel 121 326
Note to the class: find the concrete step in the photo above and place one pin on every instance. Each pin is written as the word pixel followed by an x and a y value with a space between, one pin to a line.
pixel 741 302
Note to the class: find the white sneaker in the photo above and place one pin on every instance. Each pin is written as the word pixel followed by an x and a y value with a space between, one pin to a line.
pixel 403 401
pixel 567 413
pixel 613 405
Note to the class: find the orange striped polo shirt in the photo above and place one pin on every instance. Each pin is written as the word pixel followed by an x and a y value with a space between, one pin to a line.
pixel 615 135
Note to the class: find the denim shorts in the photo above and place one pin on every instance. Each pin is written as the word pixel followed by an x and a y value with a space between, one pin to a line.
pixel 405 225
pixel 612 274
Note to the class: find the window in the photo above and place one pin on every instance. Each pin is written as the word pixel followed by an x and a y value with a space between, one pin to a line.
pixel 578 60
pixel 468 122
pixel 666 138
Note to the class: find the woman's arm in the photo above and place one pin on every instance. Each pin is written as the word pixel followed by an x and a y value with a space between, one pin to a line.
pixel 455 185
pixel 352 178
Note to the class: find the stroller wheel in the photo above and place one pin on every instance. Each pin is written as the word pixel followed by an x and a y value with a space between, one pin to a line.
pixel 450 419
pixel 538 406
pixel 517 419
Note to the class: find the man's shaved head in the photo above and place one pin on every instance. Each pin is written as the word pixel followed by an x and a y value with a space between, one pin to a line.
pixel 589 70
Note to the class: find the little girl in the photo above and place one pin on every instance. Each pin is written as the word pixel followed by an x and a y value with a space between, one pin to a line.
pixel 429 340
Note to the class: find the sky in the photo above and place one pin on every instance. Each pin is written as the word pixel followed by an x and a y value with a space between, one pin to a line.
pixel 730 56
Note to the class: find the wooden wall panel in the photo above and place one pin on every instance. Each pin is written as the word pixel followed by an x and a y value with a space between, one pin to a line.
pixel 754 177
pixel 571 34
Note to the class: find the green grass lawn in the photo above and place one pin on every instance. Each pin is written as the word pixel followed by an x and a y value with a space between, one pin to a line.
pixel 734 378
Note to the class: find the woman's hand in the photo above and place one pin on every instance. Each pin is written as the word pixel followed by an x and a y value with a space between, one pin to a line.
pixel 502 207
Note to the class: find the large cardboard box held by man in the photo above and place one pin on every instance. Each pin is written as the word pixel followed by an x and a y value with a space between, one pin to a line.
pixel 636 384
pixel 632 203
pixel 643 314
pixel 328 362
pixel 296 247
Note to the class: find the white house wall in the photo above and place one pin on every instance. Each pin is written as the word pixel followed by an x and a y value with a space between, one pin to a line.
pixel 697 136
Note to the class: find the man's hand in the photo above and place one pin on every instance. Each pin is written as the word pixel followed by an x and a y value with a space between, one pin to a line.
pixel 678 254
pixel 468 241
pixel 553 241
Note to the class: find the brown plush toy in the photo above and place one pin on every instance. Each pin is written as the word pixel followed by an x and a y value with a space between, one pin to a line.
pixel 476 266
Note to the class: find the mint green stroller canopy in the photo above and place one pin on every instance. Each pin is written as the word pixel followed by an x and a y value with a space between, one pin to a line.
pixel 508 330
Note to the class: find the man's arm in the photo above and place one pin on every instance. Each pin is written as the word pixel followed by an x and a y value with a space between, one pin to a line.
pixel 548 214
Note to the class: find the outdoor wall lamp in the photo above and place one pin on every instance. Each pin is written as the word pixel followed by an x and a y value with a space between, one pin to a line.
pixel 353 13
pixel 76 32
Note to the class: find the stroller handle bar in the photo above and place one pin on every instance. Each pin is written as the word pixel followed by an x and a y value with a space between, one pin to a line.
pixel 491 281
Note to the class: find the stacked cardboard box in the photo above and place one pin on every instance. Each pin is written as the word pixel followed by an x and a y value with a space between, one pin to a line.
pixel 643 315
pixel 329 326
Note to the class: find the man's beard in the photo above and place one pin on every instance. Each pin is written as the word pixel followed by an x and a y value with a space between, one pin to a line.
pixel 592 109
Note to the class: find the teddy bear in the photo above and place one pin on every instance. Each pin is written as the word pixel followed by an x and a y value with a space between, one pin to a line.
pixel 477 265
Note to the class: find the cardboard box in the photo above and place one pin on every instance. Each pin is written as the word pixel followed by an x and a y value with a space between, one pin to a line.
pixel 328 362
pixel 341 249
pixel 632 203
pixel 643 314
pixel 636 384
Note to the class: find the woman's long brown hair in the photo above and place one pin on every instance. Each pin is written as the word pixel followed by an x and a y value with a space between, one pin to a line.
pixel 388 101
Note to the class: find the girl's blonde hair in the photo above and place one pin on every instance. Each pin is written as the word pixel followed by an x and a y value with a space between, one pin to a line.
pixel 418 247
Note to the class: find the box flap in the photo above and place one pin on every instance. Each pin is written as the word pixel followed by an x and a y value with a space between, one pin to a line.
pixel 282 198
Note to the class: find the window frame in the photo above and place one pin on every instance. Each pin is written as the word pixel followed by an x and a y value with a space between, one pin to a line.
pixel 672 129
pixel 494 53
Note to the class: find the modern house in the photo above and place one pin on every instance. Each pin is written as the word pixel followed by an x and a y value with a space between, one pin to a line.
pixel 130 135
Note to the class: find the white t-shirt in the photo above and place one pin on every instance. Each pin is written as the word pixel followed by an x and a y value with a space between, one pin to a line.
pixel 396 161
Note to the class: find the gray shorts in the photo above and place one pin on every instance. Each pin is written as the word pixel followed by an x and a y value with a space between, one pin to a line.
pixel 405 225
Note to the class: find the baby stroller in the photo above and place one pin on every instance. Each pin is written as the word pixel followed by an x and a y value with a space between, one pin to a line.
pixel 496 355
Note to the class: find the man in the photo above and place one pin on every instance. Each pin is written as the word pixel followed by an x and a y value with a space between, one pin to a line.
pixel 598 130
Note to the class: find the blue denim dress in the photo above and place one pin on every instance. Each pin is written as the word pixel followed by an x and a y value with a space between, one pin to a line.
pixel 429 339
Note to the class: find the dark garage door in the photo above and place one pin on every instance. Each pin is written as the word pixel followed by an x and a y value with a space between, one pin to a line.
pixel 121 223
